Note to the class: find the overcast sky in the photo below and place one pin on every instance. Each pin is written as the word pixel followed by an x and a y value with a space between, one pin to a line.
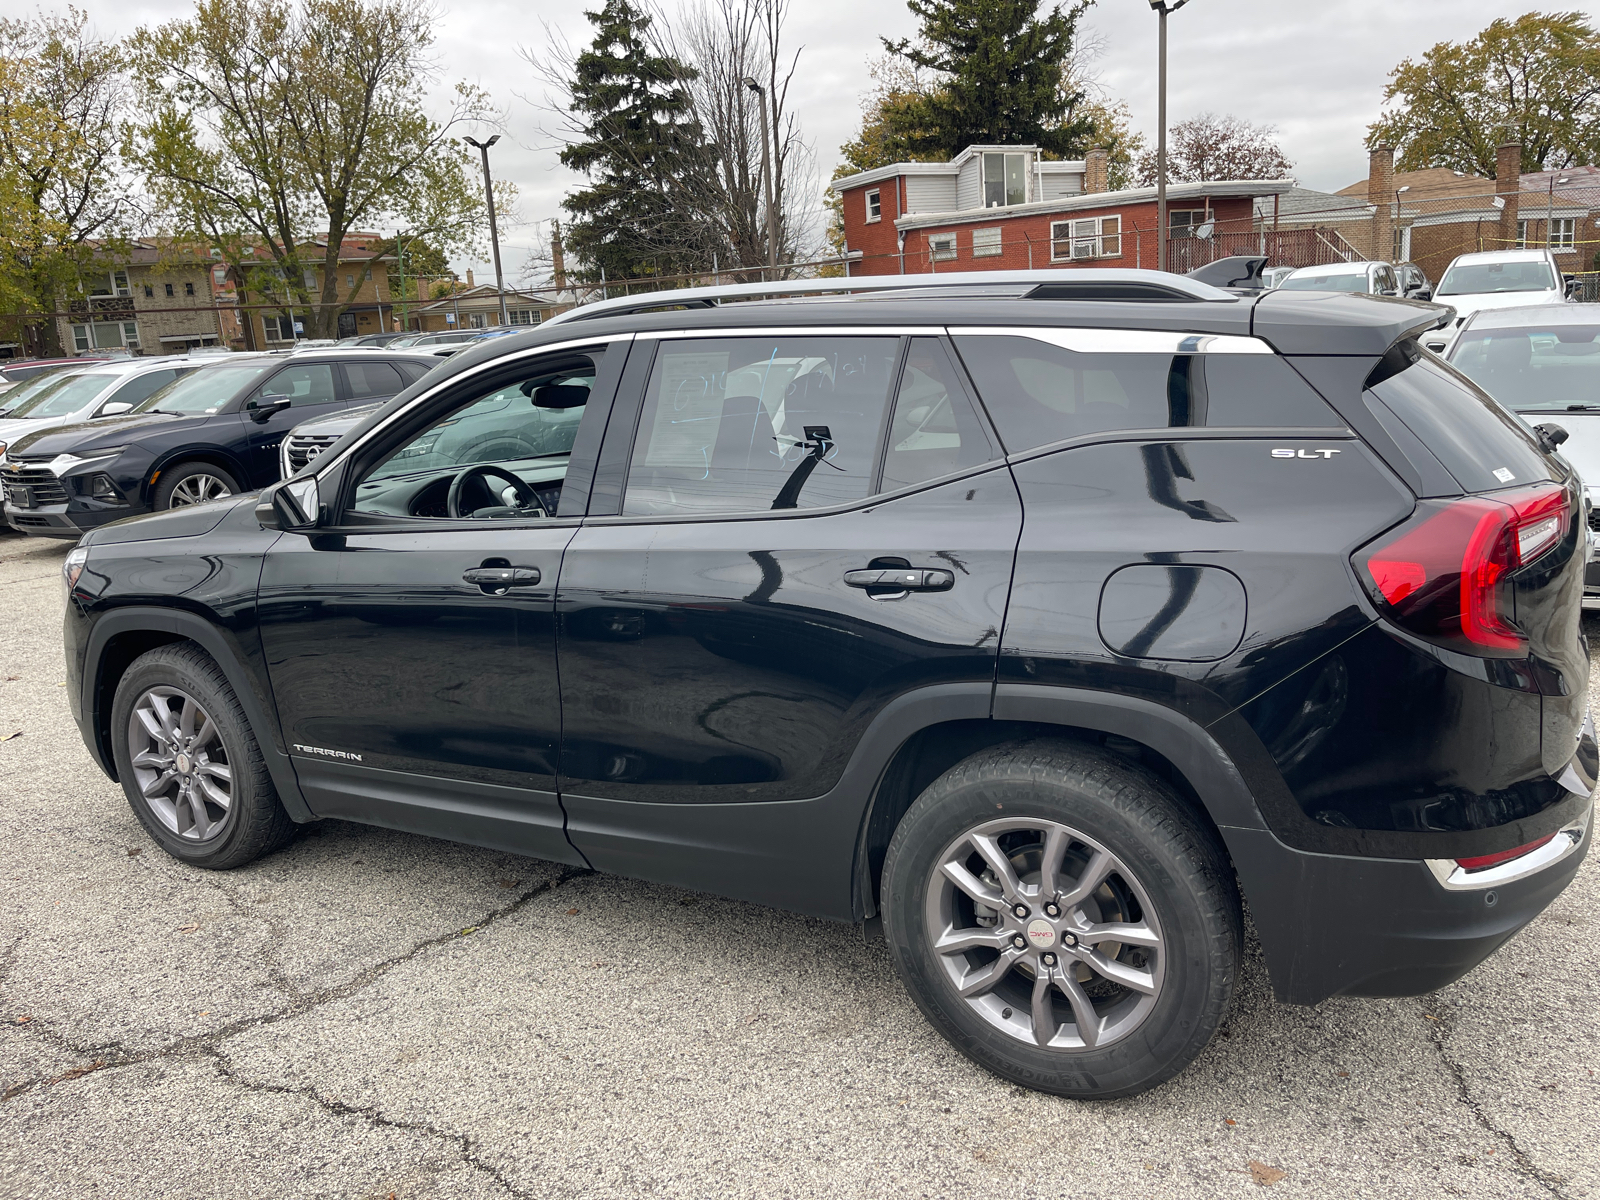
pixel 1315 70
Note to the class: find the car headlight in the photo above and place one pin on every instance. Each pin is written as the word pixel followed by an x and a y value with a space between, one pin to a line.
pixel 62 463
pixel 77 557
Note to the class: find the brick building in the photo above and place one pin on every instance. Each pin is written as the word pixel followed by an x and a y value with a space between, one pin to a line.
pixel 477 306
pixel 1008 208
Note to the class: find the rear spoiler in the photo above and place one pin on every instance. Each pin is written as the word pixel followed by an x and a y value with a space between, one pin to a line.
pixel 1240 271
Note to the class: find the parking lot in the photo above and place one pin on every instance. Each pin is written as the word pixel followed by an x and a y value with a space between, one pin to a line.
pixel 372 1014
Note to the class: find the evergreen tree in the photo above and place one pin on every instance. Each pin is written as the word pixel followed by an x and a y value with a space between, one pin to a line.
pixel 637 124
pixel 1000 65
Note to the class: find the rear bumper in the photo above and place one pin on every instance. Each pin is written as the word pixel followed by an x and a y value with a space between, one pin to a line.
pixel 1340 926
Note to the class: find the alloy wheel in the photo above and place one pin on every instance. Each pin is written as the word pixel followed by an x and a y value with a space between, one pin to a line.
pixel 180 764
pixel 197 489
pixel 1045 934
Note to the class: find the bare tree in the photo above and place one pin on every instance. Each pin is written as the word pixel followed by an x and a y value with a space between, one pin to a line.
pixel 1213 147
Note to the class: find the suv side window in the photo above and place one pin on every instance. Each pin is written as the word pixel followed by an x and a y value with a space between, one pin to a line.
pixel 1037 392
pixel 372 381
pixel 521 430
pixel 934 430
pixel 307 383
pixel 757 423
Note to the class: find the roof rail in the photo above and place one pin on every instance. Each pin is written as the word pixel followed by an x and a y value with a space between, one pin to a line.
pixel 1068 284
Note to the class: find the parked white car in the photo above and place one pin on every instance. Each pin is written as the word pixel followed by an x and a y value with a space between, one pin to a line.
pixel 1543 363
pixel 103 389
pixel 1495 279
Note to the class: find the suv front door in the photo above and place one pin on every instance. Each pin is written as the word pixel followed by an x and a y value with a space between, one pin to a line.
pixel 415 678
pixel 723 642
pixel 299 392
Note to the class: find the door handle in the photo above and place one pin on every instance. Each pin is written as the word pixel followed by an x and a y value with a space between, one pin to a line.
pixel 916 579
pixel 496 580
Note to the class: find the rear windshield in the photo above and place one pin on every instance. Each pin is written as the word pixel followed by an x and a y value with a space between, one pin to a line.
pixel 1471 279
pixel 1482 444
pixel 1531 367
pixel 1038 393
pixel 1326 281
pixel 17 400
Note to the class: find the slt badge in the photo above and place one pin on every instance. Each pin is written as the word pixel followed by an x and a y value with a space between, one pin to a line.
pixel 1322 454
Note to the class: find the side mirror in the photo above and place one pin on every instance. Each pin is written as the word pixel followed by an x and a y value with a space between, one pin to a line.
pixel 1422 293
pixel 262 411
pixel 292 506
pixel 1574 286
pixel 115 409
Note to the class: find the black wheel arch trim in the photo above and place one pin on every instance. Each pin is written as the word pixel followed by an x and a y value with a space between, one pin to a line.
pixel 217 456
pixel 257 703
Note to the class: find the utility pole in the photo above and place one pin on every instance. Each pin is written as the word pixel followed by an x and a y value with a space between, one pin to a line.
pixel 1163 8
pixel 766 179
pixel 494 232
pixel 400 253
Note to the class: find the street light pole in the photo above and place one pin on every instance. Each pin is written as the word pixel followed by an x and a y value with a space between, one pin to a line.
pixel 766 177
pixel 1163 8
pixel 494 233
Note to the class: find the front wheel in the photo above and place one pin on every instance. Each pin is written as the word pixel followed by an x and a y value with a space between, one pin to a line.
pixel 192 483
pixel 189 763
pixel 1060 916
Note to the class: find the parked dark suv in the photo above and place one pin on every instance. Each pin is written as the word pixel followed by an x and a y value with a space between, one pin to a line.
pixel 211 433
pixel 1045 617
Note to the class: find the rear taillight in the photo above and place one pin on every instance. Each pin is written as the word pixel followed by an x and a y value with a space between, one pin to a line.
pixel 1444 573
pixel 1484 861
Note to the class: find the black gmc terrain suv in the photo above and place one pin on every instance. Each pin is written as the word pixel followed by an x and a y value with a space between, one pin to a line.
pixel 1046 617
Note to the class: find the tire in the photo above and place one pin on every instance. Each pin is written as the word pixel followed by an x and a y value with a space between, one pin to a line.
pixel 192 483
pixel 191 822
pixel 1165 881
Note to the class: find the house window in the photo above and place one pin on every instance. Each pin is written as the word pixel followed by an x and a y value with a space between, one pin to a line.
pixel 188 289
pixel 169 289
pixel 942 246
pixel 1086 237
pixel 1005 179
pixel 475 320
pixel 524 316
pixel 278 328
pixel 149 292
pixel 1563 233
pixel 986 242
pixel 1184 223
pixel 310 277
pixel 350 281
pixel 116 284
pixel 367 278
pixel 1522 235
pixel 874 206
pixel 106 335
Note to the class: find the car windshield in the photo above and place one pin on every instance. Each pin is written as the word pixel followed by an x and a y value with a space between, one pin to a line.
pixel 18 400
pixel 1470 279
pixel 1326 281
pixel 64 396
pixel 1535 367
pixel 206 390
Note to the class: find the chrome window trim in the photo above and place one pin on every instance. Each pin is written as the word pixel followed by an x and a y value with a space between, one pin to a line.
pixel 1123 341
pixel 797 331
pixel 1566 841
pixel 491 364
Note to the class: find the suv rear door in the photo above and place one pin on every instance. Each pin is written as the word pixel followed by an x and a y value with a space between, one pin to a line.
pixel 734 613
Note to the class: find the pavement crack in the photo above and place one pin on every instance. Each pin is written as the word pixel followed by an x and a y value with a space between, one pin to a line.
pixel 114 1055
pixel 1437 1028
pixel 465 1150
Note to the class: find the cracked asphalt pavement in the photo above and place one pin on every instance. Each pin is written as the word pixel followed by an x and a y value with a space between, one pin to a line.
pixel 372 1014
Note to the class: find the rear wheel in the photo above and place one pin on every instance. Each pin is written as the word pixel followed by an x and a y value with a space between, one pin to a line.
pixel 189 762
pixel 192 483
pixel 1062 918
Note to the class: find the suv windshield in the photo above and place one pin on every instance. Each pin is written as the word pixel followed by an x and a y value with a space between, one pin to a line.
pixel 64 396
pixel 206 390
pixel 18 400
pixel 1326 281
pixel 1536 367
pixel 1471 279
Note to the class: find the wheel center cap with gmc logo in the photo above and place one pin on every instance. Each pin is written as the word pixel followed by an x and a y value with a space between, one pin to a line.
pixel 1041 933
pixel 183 764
